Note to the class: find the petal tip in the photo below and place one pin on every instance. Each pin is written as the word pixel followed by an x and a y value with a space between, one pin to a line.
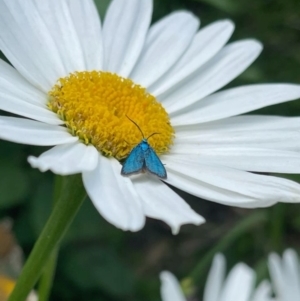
pixel 228 24
pixel 34 162
pixel 199 220
pixel 256 44
pixel 164 275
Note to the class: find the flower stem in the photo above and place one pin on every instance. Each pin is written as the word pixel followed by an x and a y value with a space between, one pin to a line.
pixel 46 280
pixel 67 205
pixel 45 283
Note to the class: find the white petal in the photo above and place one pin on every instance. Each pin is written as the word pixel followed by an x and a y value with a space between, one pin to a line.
pixel 26 131
pixel 87 23
pixel 263 292
pixel 11 82
pixel 170 289
pixel 114 195
pixel 67 159
pixel 229 186
pixel 230 62
pixel 239 284
pixel 124 31
pixel 20 97
pixel 60 26
pixel 264 139
pixel 292 274
pixel 277 275
pixel 18 106
pixel 243 123
pixel 215 279
pixel 161 202
pixel 242 157
pixel 26 42
pixel 166 42
pixel 237 101
pixel 206 43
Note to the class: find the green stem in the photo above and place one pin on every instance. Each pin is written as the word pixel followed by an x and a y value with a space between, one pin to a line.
pixel 67 205
pixel 240 228
pixel 46 281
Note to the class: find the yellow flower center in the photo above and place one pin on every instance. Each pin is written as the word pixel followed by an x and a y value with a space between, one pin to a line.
pixel 96 107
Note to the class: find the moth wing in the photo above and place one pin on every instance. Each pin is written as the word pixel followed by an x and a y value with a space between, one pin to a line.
pixel 134 162
pixel 153 163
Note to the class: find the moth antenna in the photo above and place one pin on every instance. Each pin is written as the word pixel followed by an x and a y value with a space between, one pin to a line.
pixel 136 126
pixel 152 135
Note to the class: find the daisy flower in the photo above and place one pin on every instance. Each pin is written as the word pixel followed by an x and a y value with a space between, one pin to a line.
pixel 75 82
pixel 285 275
pixel 238 285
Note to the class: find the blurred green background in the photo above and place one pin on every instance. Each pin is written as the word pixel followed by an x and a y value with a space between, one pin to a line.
pixel 98 261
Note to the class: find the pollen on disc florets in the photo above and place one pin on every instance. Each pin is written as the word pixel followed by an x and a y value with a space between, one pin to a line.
pixel 95 106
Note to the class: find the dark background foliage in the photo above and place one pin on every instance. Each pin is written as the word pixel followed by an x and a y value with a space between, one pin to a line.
pixel 98 261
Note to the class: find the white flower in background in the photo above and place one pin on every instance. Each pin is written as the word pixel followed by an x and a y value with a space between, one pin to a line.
pixel 237 286
pixel 285 275
pixel 75 81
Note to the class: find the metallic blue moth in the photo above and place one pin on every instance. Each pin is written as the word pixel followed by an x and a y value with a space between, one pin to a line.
pixel 143 158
